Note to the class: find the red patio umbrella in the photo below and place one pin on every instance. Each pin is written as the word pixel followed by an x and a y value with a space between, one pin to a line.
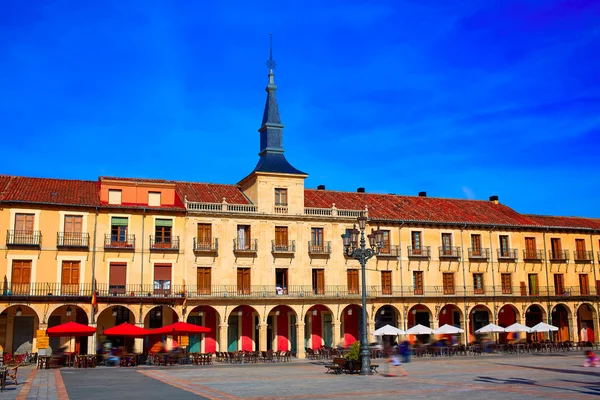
pixel 180 328
pixel 128 330
pixel 70 329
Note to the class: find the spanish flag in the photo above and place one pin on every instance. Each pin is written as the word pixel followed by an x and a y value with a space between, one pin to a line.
pixel 184 296
pixel 94 300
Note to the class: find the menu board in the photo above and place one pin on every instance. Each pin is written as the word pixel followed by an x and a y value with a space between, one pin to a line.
pixel 42 340
pixel 184 340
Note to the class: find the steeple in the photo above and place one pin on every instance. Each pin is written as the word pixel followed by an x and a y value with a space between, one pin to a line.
pixel 271 130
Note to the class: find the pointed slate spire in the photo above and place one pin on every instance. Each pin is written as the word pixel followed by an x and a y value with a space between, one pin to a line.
pixel 271 130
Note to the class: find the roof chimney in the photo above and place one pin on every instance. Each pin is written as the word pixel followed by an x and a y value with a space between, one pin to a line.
pixel 360 190
pixel 494 199
pixel 422 194
pixel 321 187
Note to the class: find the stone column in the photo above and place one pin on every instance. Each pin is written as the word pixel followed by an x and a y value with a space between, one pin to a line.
pixel 262 337
pixel 337 334
pixel 138 343
pixel 223 337
pixel 467 326
pixel 92 341
pixel 300 340
pixel 573 329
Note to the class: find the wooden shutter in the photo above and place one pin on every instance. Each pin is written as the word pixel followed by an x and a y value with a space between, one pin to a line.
pixel 506 284
pixel 476 245
pixel 73 223
pixel 386 282
pixel 584 284
pixel 70 277
pixel 559 284
pixel 21 276
pixel 24 222
pixel 203 280
pixel 205 234
pixel 117 278
pixel 243 280
pixel 162 272
pixel 530 248
pixel 504 245
pixel 555 243
pixel 386 243
pixel 448 282
pixel 447 244
pixel 418 282
pixel 523 289
pixel 597 287
pixel 533 285
pixel 352 281
pixel 580 249
pixel 318 281
pixel 281 236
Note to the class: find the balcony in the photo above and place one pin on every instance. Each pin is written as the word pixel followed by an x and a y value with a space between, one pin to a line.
pixel 582 256
pixel 283 248
pixel 533 255
pixel 449 252
pixel 24 238
pixel 45 289
pixel 121 242
pixel 419 252
pixel 508 254
pixel 319 248
pixel 249 246
pixel 280 209
pixel 479 254
pixel 206 247
pixel 389 251
pixel 73 240
pixel 559 256
pixel 162 243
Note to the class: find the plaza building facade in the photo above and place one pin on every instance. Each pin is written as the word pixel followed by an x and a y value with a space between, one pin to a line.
pixel 262 264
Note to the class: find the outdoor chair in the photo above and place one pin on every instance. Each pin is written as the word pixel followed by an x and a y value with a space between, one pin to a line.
pixel 11 374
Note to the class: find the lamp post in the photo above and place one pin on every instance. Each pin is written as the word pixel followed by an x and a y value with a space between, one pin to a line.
pixel 359 251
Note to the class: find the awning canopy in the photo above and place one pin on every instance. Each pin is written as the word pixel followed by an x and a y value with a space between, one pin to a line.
pixel 180 328
pixel 491 328
pixel 544 327
pixel 128 330
pixel 70 329
pixel 419 330
pixel 447 330
pixel 388 330
pixel 516 327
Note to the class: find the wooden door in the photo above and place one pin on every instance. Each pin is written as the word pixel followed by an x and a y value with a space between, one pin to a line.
pixel 415 240
pixel 204 239
pixel 530 248
pixel 584 284
pixel 386 249
pixel 504 245
pixel 317 238
pixel 281 237
pixel 318 281
pixel 73 230
pixel 507 284
pixel 386 282
pixel 418 282
pixel 447 244
pixel 203 280
pixel 478 287
pixel 70 277
pixel 448 282
pixel 243 280
pixel 556 248
pixel 352 281
pixel 476 245
pixel 21 276
pixel 559 284
pixel 581 254
pixel 534 289
pixel 24 222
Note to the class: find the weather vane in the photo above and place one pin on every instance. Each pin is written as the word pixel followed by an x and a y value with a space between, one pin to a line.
pixel 270 62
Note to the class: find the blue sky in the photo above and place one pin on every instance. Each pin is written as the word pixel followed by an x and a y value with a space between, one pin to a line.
pixel 460 99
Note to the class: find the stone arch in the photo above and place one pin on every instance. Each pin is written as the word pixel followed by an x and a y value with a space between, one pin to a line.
pixel 23 321
pixel 508 314
pixel 480 315
pixel 281 328
pixel 451 314
pixel 63 307
pixel 14 307
pixel 243 324
pixel 209 317
pixel 164 309
pixel 318 328
pixel 133 311
pixel 562 316
pixel 387 314
pixel 586 315
pixel 351 323
pixel 70 312
pixel 419 314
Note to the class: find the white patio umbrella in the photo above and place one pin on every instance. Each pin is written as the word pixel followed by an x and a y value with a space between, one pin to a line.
pixel 447 330
pixel 419 330
pixel 517 327
pixel 544 327
pixel 388 330
pixel 491 328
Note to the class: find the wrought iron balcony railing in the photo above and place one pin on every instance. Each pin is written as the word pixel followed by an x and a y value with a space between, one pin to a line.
pixel 206 247
pixel 46 289
pixel 121 242
pixel 245 246
pixel 558 256
pixel 162 243
pixel 389 251
pixel 479 253
pixel 419 252
pixel 508 254
pixel 289 247
pixel 449 252
pixel 24 238
pixel 533 255
pixel 582 255
pixel 319 248
pixel 73 239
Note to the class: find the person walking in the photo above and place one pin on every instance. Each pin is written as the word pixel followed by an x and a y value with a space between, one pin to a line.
pixel 395 364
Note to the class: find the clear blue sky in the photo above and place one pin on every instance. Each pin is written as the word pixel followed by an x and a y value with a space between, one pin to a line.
pixel 462 99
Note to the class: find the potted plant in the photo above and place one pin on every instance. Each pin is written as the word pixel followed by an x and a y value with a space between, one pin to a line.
pixel 353 357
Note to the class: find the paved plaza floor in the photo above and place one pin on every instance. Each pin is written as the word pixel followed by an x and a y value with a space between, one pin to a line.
pixel 553 376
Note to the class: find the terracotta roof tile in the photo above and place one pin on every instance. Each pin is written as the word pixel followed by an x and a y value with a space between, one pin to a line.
pixel 566 222
pixel 51 191
pixel 427 209
pixel 113 178
pixel 210 193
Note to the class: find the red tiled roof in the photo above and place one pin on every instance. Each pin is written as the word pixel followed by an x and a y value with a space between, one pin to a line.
pixel 50 191
pixel 566 222
pixel 210 193
pixel 425 209
pixel 112 178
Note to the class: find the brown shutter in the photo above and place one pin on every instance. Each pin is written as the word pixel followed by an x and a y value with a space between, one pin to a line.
pixel 205 233
pixel 530 247
pixel 162 272
pixel 584 284
pixel 118 274
pixel 386 282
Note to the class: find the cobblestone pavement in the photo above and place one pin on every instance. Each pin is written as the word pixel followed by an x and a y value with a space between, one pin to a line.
pixel 552 376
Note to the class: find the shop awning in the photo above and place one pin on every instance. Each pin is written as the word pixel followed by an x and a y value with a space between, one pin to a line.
pixel 70 329
pixel 180 328
pixel 128 330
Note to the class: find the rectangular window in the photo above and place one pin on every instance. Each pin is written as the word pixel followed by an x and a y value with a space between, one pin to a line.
pixel 418 282
pixel 504 246
pixel 386 249
pixel 243 280
pixel 478 287
pixel 114 196
pixel 163 233
pixel 506 283
pixel 203 280
pixel 70 277
pixel 204 237
pixel 24 223
pixel 530 248
pixel 556 248
pixel 118 231
pixel 117 278
pixel 154 199
pixel 447 244
pixel 243 237
pixel 316 240
pixel 476 245
pixel 386 282
pixel 318 281
pixel 448 282
pixel 72 235
pixel 584 285
pixel 534 289
pixel 281 198
pixel 281 238
pixel 580 253
pixel 281 280
pixel 416 243
pixel 352 281
pixel 21 276
pixel 559 284
pixel 162 279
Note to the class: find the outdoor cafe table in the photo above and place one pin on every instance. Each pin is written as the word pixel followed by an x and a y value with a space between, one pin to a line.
pixel 129 360
pixel 43 362
pixel 85 361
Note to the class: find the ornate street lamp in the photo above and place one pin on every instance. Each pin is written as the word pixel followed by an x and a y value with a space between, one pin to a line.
pixel 359 251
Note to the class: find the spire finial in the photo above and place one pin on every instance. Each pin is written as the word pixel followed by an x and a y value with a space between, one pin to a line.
pixel 270 62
